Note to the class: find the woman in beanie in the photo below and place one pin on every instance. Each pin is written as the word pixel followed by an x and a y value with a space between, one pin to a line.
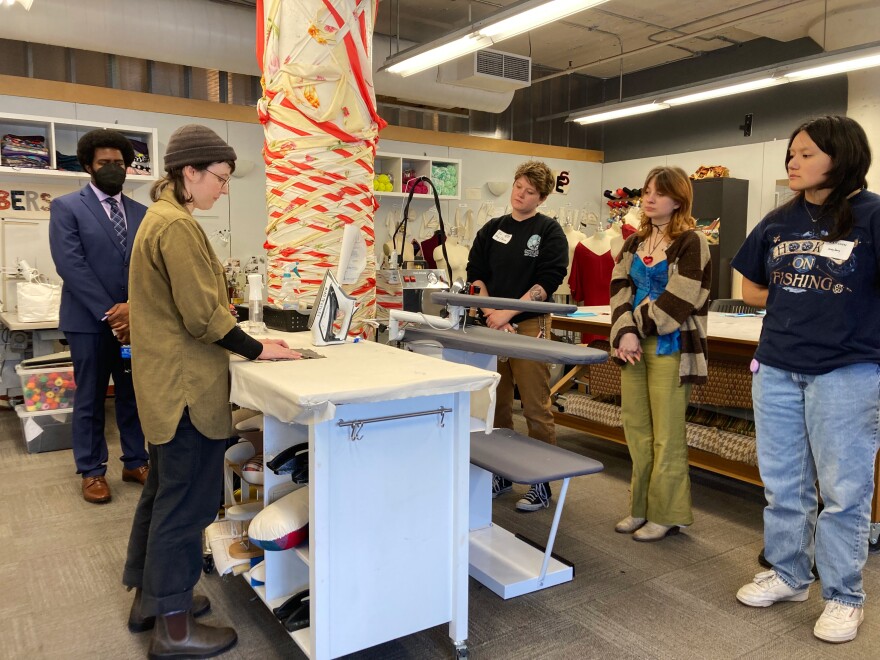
pixel 181 335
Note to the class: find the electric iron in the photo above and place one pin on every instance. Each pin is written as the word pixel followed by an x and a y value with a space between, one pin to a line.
pixel 331 314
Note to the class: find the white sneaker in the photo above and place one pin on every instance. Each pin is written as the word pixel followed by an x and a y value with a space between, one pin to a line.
pixel 839 622
pixel 768 588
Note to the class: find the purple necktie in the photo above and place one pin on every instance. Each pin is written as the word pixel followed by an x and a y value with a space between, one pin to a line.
pixel 118 221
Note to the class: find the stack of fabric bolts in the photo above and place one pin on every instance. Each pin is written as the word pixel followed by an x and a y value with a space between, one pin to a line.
pixel 445 178
pixel 24 151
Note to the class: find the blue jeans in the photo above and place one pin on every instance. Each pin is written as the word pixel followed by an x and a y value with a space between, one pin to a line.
pixel 821 428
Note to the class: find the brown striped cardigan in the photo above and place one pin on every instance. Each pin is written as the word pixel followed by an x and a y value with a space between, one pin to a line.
pixel 684 306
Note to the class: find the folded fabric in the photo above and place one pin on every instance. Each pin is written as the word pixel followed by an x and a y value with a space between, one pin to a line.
pixel 284 524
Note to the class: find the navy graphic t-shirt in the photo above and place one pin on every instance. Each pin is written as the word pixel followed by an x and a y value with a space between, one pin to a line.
pixel 823 307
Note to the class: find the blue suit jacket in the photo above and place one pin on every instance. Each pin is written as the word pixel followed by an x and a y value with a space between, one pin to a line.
pixel 89 258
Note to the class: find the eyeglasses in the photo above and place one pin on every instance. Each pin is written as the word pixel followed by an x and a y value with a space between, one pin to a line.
pixel 224 181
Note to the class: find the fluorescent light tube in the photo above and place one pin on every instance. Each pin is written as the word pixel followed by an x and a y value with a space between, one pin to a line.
pixel 621 112
pixel 853 64
pixel 532 14
pixel 536 17
pixel 435 56
pixel 729 90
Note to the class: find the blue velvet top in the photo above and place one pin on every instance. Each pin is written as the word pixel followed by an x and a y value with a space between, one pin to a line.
pixel 650 283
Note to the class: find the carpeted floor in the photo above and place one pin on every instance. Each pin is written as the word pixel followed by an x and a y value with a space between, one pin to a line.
pixel 61 597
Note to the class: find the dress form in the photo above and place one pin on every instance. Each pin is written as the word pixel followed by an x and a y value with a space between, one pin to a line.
pixel 573 236
pixel 600 242
pixel 633 217
pixel 458 256
pixel 616 239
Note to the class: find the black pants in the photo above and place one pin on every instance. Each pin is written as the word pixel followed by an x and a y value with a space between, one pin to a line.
pixel 179 501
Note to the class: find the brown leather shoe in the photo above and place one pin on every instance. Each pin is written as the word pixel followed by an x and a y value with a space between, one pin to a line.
pixel 95 489
pixel 179 636
pixel 138 474
pixel 137 622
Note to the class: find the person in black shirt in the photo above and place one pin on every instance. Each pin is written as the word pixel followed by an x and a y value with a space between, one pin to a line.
pixel 522 255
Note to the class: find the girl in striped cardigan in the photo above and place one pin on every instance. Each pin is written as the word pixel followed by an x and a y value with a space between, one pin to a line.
pixel 659 306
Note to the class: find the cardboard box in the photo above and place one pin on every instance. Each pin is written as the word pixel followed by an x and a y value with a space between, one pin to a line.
pixel 47 388
pixel 46 431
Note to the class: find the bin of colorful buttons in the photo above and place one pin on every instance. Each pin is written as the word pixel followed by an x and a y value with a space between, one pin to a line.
pixel 47 388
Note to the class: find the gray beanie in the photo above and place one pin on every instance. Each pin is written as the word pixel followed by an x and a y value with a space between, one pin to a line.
pixel 195 144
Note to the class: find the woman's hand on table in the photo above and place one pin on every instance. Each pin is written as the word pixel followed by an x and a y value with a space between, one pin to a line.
pixel 277 349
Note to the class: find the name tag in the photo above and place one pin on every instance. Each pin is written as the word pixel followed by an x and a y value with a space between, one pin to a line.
pixel 502 237
pixel 838 250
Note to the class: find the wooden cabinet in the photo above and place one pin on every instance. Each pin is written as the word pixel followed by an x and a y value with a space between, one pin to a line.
pixel 60 137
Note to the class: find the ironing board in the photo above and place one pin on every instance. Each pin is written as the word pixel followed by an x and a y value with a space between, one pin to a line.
pixel 500 560
pixel 506 563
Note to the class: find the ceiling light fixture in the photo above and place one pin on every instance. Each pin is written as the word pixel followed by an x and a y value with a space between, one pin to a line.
pixel 24 3
pixel 618 112
pixel 509 22
pixel 809 68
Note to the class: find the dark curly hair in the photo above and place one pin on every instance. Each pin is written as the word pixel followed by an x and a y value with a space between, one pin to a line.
pixel 102 138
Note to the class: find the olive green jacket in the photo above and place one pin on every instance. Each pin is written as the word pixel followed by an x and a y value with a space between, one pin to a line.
pixel 178 308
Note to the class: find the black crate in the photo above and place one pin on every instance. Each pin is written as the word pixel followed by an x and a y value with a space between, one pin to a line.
pixel 285 320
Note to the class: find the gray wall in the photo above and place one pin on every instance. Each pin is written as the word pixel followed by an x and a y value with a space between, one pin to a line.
pixel 712 124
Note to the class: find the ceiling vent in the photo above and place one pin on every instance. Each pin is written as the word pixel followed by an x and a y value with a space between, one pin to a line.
pixel 489 69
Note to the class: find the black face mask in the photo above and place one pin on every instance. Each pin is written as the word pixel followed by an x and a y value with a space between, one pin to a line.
pixel 109 179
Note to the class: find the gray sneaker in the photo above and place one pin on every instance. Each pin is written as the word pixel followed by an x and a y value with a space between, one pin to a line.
pixel 500 485
pixel 538 497
pixel 768 588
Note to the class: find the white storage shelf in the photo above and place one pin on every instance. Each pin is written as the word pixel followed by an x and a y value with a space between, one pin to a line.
pixel 395 165
pixel 62 135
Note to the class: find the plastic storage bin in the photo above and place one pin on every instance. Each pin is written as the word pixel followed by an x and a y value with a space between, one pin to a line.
pixel 46 431
pixel 47 388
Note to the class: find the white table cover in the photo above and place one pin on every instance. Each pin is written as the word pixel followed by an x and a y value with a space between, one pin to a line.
pixel 308 391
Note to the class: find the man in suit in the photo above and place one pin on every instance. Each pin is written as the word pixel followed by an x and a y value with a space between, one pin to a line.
pixel 90 235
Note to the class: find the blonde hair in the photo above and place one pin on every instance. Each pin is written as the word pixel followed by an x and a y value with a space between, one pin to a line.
pixel 539 175
pixel 672 182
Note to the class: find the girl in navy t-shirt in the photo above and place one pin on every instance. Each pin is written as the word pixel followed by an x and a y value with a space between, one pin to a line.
pixel 813 263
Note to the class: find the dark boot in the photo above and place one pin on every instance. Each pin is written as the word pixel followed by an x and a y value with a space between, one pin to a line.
pixel 179 636
pixel 137 622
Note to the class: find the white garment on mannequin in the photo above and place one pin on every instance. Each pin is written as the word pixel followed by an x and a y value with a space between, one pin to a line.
pixel 429 224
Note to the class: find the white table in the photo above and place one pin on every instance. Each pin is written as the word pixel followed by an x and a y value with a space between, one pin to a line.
pixel 44 333
pixel 388 434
